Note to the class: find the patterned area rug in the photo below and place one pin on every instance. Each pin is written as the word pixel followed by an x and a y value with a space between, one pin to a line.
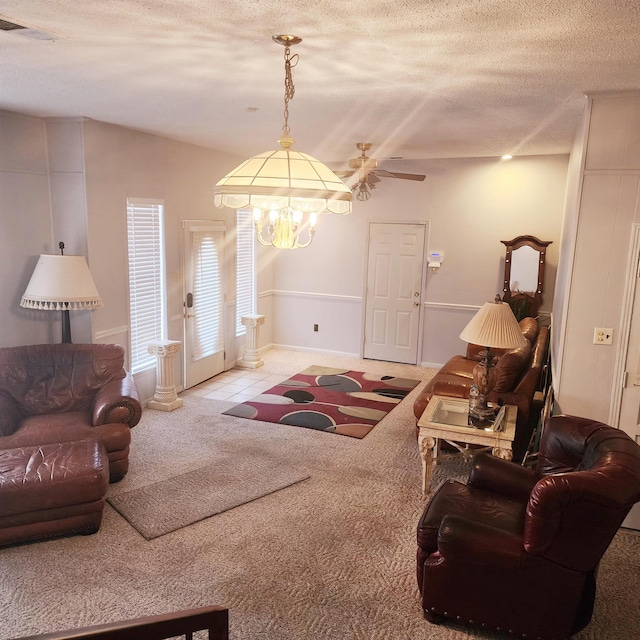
pixel 350 403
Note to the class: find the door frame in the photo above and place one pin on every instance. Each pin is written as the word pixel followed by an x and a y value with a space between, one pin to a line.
pixel 423 288
pixel 630 290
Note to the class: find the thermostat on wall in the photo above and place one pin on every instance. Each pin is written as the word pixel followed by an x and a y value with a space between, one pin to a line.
pixel 435 259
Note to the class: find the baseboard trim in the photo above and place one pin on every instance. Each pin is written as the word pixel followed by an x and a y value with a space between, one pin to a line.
pixel 431 365
pixel 289 347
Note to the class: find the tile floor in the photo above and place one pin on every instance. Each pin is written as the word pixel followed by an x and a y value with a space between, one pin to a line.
pixel 236 385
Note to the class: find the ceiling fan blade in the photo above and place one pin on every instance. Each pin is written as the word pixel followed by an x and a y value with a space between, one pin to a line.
pixel 344 174
pixel 403 176
pixel 372 178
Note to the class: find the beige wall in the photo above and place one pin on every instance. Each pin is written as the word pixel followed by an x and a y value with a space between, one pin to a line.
pixel 608 192
pixel 122 163
pixel 25 227
pixel 470 205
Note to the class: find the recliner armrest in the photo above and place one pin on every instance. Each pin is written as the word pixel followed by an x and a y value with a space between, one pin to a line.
pixel 9 415
pixel 118 401
pixel 496 475
pixel 464 540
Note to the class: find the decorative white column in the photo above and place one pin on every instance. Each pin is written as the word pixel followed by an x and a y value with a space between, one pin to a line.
pixel 165 398
pixel 251 357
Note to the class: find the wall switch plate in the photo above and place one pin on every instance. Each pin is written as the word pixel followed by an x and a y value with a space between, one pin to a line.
pixel 602 335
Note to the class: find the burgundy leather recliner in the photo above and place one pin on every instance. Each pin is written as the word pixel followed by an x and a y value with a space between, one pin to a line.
pixel 517 549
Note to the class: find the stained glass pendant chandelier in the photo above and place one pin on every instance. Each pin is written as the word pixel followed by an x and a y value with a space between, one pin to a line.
pixel 286 189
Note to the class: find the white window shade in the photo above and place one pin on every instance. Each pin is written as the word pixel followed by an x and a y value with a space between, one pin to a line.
pixel 245 268
pixel 207 337
pixel 146 280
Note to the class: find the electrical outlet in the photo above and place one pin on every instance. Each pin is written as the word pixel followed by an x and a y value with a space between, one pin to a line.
pixel 315 327
pixel 602 335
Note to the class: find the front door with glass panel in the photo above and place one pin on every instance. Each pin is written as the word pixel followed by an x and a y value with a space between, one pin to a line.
pixel 203 300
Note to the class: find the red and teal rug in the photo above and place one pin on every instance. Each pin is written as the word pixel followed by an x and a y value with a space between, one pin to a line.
pixel 350 403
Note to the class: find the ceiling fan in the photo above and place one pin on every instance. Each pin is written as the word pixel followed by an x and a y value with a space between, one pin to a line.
pixel 365 173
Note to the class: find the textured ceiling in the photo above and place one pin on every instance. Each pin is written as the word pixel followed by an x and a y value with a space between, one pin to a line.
pixel 419 78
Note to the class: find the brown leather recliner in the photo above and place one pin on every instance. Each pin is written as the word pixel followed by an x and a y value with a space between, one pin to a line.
pixel 516 549
pixel 52 393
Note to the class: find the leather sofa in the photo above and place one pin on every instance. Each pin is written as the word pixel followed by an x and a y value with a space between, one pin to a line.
pixel 518 377
pixel 52 393
pixel 517 549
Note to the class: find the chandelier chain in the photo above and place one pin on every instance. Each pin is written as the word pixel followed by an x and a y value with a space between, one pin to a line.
pixel 289 89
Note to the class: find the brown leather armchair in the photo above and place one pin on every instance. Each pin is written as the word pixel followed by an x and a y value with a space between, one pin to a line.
pixel 516 549
pixel 52 393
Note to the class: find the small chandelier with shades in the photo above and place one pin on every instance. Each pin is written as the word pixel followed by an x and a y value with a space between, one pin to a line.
pixel 286 189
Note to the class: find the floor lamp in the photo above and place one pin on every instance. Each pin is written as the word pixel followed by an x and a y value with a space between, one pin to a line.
pixel 61 283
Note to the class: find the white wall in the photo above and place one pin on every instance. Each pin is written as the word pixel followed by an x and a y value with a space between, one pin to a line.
pixel 470 206
pixel 609 206
pixel 65 152
pixel 25 228
pixel 122 163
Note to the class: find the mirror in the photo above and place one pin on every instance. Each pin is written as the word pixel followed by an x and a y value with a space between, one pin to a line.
pixel 524 274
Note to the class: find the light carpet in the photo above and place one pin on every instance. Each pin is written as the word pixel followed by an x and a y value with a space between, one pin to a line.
pixel 330 558
pixel 227 482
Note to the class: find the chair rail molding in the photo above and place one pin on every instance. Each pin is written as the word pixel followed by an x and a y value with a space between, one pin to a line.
pixel 99 336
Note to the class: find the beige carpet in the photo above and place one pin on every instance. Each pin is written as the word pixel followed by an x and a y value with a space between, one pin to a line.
pixel 228 481
pixel 332 557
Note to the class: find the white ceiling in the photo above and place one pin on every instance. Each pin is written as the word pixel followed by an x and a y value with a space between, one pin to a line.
pixel 418 78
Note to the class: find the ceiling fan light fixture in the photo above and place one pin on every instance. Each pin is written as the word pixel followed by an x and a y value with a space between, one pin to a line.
pixel 363 191
pixel 285 181
pixel 364 173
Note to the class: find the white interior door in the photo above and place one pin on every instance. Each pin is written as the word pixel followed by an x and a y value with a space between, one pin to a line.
pixel 204 300
pixel 393 303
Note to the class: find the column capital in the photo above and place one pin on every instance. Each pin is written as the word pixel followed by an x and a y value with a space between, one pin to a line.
pixel 252 320
pixel 164 347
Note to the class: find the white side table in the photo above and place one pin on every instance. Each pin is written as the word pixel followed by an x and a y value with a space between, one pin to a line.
pixel 447 419
pixel 251 357
pixel 165 397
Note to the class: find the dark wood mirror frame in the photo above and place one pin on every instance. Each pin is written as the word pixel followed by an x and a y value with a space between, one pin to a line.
pixel 522 303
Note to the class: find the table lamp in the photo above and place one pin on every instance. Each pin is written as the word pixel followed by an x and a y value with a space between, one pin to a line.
pixel 61 283
pixel 493 327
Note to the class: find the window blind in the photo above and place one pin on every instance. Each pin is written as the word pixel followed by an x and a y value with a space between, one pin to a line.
pixel 207 337
pixel 245 268
pixel 146 280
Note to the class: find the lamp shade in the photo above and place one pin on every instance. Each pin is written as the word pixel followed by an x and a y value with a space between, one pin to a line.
pixel 494 326
pixel 283 179
pixel 60 283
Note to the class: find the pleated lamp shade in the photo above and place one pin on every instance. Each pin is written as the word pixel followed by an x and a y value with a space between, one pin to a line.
pixel 60 283
pixel 494 326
